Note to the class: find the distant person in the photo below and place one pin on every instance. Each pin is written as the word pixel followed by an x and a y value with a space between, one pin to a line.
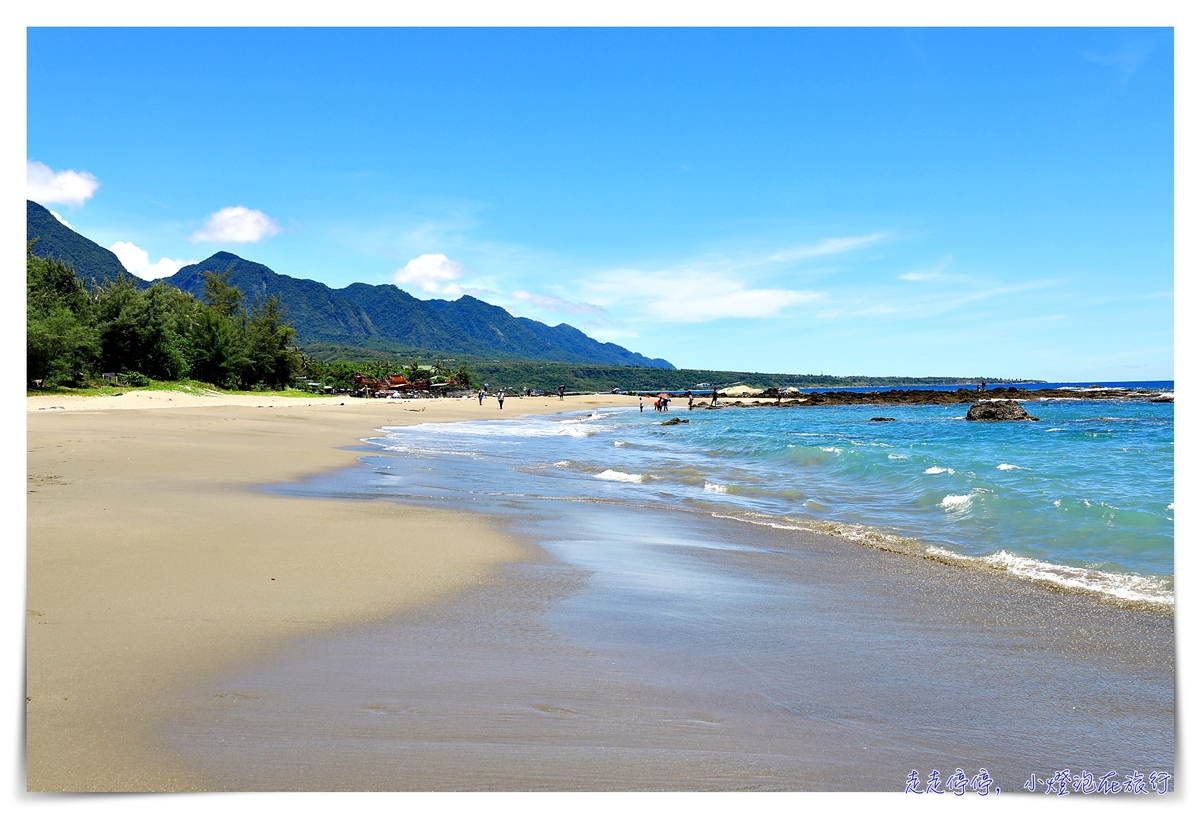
pixel 500 397
pixel 691 402
pixel 641 406
pixel 481 394
pixel 714 398
pixel 562 390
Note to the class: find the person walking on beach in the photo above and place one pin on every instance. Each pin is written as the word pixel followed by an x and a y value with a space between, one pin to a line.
pixel 641 406
pixel 691 401
pixel 500 397
pixel 481 394
pixel 562 390
pixel 714 398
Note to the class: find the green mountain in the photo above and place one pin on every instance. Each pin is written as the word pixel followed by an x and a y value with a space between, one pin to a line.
pixel 379 317
pixel 56 240
pixel 386 318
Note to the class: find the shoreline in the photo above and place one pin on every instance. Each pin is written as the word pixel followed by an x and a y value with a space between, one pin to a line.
pixel 153 557
pixel 656 649
pixel 1116 586
pixel 126 710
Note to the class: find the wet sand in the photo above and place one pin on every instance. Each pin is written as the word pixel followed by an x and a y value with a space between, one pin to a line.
pixel 154 559
pixel 646 649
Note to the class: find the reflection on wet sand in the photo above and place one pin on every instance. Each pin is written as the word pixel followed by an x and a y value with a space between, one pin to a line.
pixel 653 649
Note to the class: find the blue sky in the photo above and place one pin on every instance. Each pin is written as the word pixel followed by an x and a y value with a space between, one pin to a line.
pixel 848 201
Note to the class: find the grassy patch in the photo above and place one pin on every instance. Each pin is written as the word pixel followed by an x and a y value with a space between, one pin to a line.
pixel 102 388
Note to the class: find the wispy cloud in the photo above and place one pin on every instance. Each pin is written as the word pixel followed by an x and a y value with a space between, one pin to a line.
pixel 886 303
pixel 928 273
pixel 553 303
pixel 69 187
pixel 603 329
pixel 688 297
pixel 1126 59
pixel 715 286
pixel 825 247
pixel 236 225
pixel 137 261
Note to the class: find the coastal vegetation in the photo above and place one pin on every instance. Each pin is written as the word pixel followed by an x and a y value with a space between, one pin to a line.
pixel 78 334
pixel 521 374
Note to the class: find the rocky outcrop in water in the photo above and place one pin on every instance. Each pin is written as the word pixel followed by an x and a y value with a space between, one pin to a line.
pixel 883 420
pixel 673 422
pixel 998 410
pixel 926 397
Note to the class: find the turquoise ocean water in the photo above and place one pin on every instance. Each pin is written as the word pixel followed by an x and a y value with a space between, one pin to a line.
pixel 1083 499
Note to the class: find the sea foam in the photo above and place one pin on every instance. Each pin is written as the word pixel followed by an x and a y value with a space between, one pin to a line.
pixel 1127 587
pixel 620 476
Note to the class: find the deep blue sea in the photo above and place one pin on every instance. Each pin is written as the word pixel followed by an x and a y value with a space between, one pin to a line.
pixel 1084 498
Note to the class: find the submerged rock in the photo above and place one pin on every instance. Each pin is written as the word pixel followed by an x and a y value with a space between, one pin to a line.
pixel 883 420
pixel 674 422
pixel 998 410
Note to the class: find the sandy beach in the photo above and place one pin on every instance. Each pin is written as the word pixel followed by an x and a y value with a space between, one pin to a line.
pixel 189 629
pixel 154 558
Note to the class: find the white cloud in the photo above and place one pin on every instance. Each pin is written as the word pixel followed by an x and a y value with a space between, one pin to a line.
pixel 61 219
pixel 236 225
pixel 432 273
pixel 688 297
pixel 69 187
pixel 929 273
pixel 556 304
pixel 137 261
pixel 826 247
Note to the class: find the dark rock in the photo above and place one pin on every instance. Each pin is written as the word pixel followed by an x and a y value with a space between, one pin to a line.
pixel 674 422
pixel 998 410
pixel 883 420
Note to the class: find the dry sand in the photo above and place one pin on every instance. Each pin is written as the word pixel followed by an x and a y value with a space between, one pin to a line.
pixel 153 557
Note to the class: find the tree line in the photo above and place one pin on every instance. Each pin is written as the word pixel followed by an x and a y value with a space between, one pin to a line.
pixel 76 332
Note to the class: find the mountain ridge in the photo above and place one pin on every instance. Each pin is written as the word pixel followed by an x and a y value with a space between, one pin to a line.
pixel 57 241
pixel 356 315
pixel 383 312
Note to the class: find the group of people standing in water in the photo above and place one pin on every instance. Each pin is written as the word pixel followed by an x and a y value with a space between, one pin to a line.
pixel 663 401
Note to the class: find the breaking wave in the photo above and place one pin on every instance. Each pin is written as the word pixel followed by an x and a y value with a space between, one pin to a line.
pixel 620 476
